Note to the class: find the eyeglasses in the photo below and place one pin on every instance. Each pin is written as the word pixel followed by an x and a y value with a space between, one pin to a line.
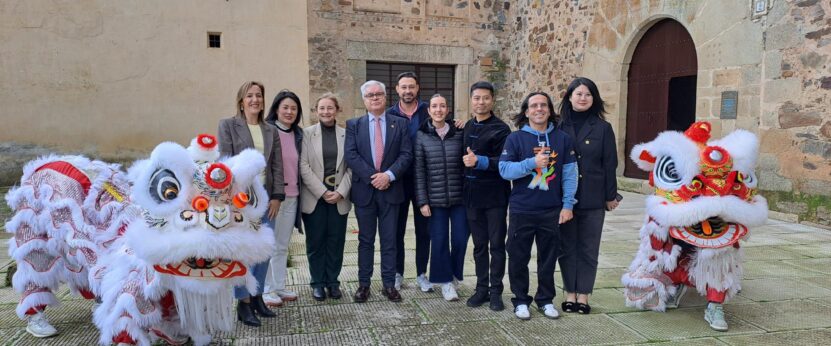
pixel 374 95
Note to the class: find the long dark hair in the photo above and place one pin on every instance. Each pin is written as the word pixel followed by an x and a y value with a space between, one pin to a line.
pixel 521 119
pixel 598 106
pixel 282 95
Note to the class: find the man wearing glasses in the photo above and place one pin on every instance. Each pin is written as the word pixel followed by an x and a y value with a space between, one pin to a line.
pixel 379 152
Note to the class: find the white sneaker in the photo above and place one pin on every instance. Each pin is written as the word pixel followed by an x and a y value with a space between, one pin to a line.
pixel 286 295
pixel 521 312
pixel 449 292
pixel 272 300
pixel 675 301
pixel 424 284
pixel 456 284
pixel 39 326
pixel 399 281
pixel 550 311
pixel 714 315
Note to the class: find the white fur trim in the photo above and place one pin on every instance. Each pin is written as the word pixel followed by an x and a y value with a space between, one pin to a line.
pixel 743 147
pixel 169 156
pixel 729 208
pixel 36 299
pixel 199 153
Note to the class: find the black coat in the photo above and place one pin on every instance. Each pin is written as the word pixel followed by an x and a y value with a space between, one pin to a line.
pixel 596 151
pixel 439 171
pixel 485 188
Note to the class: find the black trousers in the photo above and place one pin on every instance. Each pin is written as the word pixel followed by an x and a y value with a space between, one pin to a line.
pixel 325 236
pixel 381 218
pixel 422 232
pixel 580 239
pixel 488 228
pixel 523 231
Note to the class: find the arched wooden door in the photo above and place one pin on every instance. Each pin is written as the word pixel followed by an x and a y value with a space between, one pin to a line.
pixel 662 82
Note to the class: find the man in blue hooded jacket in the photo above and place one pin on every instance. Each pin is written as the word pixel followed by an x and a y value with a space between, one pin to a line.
pixel 539 160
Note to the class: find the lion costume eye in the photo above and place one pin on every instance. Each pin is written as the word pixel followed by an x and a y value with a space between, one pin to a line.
pixel 164 186
pixel 666 175
pixel 252 196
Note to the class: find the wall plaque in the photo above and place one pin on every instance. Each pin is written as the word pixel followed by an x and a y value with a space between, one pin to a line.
pixel 729 104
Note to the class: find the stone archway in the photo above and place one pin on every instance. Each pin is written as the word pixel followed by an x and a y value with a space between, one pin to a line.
pixel 661 86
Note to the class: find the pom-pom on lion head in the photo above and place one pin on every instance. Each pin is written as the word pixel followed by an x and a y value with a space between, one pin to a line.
pixel 705 190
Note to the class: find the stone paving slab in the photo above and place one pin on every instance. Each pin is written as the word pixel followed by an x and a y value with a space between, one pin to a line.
pixel 341 337
pixel 577 330
pixel 681 323
pixel 817 250
pixel 689 342
pixel 365 315
pixel 770 289
pixel 469 333
pixel 774 269
pixel 786 290
pixel 818 265
pixel 439 310
pixel 763 253
pixel 783 315
pixel 800 337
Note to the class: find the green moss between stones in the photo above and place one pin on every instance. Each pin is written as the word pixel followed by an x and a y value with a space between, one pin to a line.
pixel 776 198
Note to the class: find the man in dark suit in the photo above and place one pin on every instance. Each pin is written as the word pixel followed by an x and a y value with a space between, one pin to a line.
pixel 378 150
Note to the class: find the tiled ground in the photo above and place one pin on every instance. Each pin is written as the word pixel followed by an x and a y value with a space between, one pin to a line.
pixel 786 299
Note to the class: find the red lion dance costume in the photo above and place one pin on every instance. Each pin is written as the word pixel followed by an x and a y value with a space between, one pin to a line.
pixel 704 202
pixel 160 247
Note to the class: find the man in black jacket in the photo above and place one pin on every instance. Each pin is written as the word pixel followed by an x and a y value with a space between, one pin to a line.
pixel 486 195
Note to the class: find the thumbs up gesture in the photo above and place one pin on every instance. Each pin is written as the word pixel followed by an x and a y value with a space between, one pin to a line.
pixel 470 158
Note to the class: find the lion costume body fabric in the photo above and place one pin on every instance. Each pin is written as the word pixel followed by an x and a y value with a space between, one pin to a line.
pixel 160 247
pixel 704 202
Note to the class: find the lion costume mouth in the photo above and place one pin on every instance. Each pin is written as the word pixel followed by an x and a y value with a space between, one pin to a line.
pixel 202 268
pixel 711 233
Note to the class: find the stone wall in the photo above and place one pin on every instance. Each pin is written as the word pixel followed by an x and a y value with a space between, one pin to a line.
pixel 778 60
pixel 104 78
pixel 345 34
pixel 544 50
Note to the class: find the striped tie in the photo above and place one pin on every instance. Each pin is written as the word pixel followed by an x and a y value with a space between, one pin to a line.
pixel 379 144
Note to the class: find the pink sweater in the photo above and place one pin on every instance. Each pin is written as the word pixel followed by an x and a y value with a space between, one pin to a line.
pixel 290 163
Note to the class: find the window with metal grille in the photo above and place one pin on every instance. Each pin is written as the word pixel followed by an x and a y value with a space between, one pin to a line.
pixel 214 40
pixel 432 79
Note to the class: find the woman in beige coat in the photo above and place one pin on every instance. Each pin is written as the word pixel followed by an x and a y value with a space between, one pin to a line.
pixel 324 198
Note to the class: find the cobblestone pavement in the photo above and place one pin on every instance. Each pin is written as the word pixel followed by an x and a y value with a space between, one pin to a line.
pixel 786 299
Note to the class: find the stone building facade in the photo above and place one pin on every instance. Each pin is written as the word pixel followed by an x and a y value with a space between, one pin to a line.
pixel 762 65
pixel 773 54
pixel 346 34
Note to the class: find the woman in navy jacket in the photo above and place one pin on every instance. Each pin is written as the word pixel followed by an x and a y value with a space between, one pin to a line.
pixel 582 112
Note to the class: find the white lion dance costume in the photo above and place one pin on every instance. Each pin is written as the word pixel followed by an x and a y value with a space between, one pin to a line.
pixel 705 200
pixel 161 247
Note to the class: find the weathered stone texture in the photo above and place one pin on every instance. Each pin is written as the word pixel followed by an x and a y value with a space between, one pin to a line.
pixel 545 49
pixel 409 25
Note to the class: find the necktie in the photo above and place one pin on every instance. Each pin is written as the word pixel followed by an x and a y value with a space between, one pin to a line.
pixel 379 144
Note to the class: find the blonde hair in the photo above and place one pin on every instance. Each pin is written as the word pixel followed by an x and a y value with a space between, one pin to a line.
pixel 329 96
pixel 241 95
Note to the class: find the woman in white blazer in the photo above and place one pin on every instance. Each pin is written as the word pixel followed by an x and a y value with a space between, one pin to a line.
pixel 324 197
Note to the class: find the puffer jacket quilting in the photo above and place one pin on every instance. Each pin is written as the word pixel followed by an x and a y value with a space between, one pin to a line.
pixel 439 168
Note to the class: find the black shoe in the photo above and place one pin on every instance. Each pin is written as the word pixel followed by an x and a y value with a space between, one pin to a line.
pixel 258 305
pixel 569 307
pixel 246 315
pixel 477 299
pixel 496 302
pixel 319 294
pixel 392 294
pixel 335 293
pixel 583 309
pixel 361 295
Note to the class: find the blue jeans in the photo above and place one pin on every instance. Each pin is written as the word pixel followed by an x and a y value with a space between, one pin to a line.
pixel 259 270
pixel 447 246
